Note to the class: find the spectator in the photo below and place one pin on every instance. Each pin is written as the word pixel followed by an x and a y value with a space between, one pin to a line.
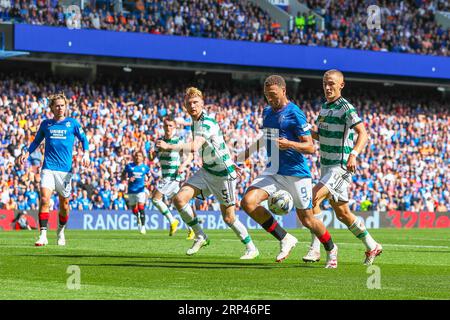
pixel 406 26
pixel 300 21
pixel 20 222
pixel 394 174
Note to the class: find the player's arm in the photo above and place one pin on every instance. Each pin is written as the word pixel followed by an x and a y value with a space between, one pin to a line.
pixel 360 144
pixel 26 151
pixel 302 130
pixel 186 162
pixel 314 135
pixel 79 133
pixel 147 178
pixel 353 121
pixel 305 145
pixel 187 147
pixel 152 154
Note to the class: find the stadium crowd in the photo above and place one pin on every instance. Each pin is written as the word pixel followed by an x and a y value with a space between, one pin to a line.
pixel 406 26
pixel 405 167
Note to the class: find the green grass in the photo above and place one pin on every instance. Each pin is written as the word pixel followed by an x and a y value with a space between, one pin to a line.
pixel 415 264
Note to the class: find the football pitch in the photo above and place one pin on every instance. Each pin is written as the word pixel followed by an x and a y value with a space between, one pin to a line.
pixel 415 264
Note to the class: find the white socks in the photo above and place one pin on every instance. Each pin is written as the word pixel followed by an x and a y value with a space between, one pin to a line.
pixel 241 231
pixel 359 230
pixel 187 214
pixel 43 233
pixel 162 207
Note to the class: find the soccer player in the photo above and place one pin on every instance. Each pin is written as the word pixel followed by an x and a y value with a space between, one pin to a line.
pixel 337 122
pixel 171 170
pixel 136 173
pixel 217 176
pixel 59 134
pixel 287 137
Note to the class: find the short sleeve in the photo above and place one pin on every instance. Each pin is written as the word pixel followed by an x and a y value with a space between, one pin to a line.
pixel 351 117
pixel 204 130
pixel 301 125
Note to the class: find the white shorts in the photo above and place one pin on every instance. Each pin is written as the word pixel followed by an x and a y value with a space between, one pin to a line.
pixel 168 188
pixel 222 188
pixel 135 198
pixel 337 180
pixel 58 181
pixel 299 188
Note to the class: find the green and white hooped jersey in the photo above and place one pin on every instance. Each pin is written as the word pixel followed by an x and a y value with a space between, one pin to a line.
pixel 214 152
pixel 170 160
pixel 335 122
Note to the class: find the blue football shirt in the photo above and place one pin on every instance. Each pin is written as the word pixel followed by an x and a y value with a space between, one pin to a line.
pixel 138 172
pixel 289 122
pixel 59 140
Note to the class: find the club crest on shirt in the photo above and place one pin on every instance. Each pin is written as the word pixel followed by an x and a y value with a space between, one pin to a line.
pixel 68 124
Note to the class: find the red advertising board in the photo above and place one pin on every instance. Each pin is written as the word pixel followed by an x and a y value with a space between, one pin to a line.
pixel 7 218
pixel 421 220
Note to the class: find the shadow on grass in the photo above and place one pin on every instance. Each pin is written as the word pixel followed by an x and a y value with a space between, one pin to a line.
pixel 200 265
pixel 172 260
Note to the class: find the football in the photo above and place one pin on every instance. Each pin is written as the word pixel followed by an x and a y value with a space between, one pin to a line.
pixel 281 202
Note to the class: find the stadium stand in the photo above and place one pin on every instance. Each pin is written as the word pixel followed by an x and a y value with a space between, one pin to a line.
pixel 406 165
pixel 407 26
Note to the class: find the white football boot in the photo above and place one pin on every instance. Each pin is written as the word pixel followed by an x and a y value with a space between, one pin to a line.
pixel 332 258
pixel 371 255
pixel 42 241
pixel 61 239
pixel 250 254
pixel 198 244
pixel 313 255
pixel 286 245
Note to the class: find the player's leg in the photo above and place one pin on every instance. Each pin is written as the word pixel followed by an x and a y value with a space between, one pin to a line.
pixel 181 202
pixel 317 227
pixel 225 192
pixel 141 211
pixel 357 227
pixel 330 186
pixel 132 203
pixel 63 217
pixel 63 185
pixel 337 181
pixel 47 188
pixel 301 191
pixel 229 216
pixel 320 193
pixel 44 213
pixel 157 200
pixel 258 192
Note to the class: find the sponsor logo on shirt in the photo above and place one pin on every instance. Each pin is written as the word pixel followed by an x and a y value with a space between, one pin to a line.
pixel 323 126
pixel 58 134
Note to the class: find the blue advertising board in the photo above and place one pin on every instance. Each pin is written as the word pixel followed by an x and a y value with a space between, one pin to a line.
pixel 124 220
pixel 216 51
